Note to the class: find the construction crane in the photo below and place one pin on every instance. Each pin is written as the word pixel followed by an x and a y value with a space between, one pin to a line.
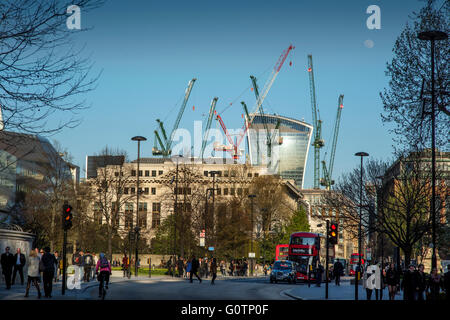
pixel 270 137
pixel 318 142
pixel 166 144
pixel 327 174
pixel 208 124
pixel 265 91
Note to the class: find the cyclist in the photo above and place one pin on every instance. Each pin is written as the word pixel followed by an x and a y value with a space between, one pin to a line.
pixel 105 271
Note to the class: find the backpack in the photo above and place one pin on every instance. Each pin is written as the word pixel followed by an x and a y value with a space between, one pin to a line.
pixel 104 263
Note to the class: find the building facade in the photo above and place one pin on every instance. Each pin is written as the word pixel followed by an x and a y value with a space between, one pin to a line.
pixel 290 141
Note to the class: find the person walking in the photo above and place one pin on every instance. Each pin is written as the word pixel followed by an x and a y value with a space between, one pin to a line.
pixel 105 271
pixel 319 273
pixel 188 268
pixel 57 266
pixel 392 280
pixel 7 262
pixel 48 261
pixel 419 283
pixel 194 269
pixel 408 284
pixel 33 273
pixel 213 269
pixel 20 261
pixel 338 269
pixel 434 285
pixel 180 264
pixel 222 268
pixel 125 264
pixel 88 264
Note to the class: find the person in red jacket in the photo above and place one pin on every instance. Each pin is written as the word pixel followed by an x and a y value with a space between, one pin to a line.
pixel 105 270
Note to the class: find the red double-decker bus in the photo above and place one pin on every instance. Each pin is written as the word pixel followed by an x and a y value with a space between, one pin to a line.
pixel 281 252
pixel 354 260
pixel 304 248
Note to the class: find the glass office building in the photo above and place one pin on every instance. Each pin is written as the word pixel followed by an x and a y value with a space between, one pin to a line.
pixel 289 146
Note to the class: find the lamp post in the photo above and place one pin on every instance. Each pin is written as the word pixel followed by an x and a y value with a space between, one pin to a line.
pixel 206 215
pixel 433 36
pixel 251 196
pixel 357 274
pixel 213 174
pixel 136 229
pixel 175 212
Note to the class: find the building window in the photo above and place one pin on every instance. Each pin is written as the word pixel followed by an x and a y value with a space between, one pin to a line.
pixel 143 214
pixel 205 173
pixel 256 175
pixel 156 214
pixel 129 215
pixel 232 191
pixel 147 173
pixel 225 173
pixel 225 191
pixel 146 190
pixel 153 173
pixel 160 172
pixel 116 174
pixel 219 191
pixel 98 213
pixel 249 175
pixel 125 190
pixel 140 173
pixel 153 191
pixel 133 173
pixel 239 191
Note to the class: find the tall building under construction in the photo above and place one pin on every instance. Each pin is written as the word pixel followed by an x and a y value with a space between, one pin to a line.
pixel 282 144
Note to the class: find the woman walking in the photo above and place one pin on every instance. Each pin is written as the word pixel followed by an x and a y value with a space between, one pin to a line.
pixel 392 280
pixel 213 269
pixel 434 284
pixel 33 273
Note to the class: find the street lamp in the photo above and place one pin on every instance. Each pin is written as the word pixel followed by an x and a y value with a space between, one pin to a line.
pixel 175 212
pixel 251 196
pixel 362 155
pixel 213 173
pixel 433 36
pixel 136 229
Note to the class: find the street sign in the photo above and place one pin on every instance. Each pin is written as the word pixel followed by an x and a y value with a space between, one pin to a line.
pixel 202 242
pixel 211 248
pixel 251 254
pixel 202 234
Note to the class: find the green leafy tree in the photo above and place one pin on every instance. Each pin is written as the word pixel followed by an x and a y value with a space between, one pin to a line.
pixel 298 222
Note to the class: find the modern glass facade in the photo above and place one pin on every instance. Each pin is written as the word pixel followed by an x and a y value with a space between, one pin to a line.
pixel 290 145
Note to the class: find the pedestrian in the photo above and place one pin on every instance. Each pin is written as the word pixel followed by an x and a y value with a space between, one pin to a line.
pixel 180 266
pixel 194 269
pixel 419 283
pixel 213 269
pixel 408 284
pixel 434 285
pixel 33 273
pixel 244 268
pixel 48 261
pixel 57 266
pixel 222 268
pixel 338 269
pixel 188 268
pixel 125 264
pixel 7 262
pixel 319 273
pixel 76 262
pixel 231 268
pixel 392 280
pixel 88 264
pixel 20 261
pixel 447 283
pixel 372 280
pixel 95 259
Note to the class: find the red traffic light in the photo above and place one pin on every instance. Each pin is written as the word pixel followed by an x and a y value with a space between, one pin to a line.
pixel 333 227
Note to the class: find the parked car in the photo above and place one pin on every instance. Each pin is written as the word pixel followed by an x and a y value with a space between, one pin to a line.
pixel 284 270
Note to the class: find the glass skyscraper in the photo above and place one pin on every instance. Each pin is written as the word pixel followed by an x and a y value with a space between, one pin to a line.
pixel 290 145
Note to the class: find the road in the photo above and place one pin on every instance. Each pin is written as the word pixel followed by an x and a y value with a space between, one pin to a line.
pixel 181 289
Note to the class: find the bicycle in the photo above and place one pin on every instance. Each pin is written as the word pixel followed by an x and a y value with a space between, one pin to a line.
pixel 104 288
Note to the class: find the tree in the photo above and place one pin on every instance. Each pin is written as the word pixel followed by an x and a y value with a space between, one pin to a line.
pixel 298 222
pixel 408 71
pixel 41 71
pixel 110 193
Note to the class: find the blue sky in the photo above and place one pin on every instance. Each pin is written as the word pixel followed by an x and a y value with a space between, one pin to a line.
pixel 149 50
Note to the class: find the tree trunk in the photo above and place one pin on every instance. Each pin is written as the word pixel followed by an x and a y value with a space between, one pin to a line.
pixel 407 251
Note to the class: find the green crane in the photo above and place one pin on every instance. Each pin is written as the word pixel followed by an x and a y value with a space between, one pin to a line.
pixel 270 137
pixel 318 142
pixel 327 174
pixel 208 124
pixel 166 144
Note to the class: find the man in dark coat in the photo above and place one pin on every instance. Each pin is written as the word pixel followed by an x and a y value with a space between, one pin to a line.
pixel 419 282
pixel 88 265
pixel 49 262
pixel 194 269
pixel 19 263
pixel 319 273
pixel 338 268
pixel 7 262
pixel 408 284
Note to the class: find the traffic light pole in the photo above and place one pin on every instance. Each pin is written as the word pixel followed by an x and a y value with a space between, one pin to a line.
pixel 326 261
pixel 63 286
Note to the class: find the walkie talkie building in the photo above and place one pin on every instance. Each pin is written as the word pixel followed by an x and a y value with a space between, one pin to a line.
pixel 287 152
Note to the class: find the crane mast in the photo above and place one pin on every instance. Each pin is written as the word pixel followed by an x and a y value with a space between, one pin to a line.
pixel 208 124
pixel 318 142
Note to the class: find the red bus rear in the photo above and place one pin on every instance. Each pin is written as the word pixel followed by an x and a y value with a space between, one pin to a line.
pixel 281 252
pixel 304 248
pixel 354 260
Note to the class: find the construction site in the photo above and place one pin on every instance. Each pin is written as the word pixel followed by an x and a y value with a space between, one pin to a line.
pixel 279 143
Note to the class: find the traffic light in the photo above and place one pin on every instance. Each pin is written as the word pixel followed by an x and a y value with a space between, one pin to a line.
pixel 67 217
pixel 333 233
